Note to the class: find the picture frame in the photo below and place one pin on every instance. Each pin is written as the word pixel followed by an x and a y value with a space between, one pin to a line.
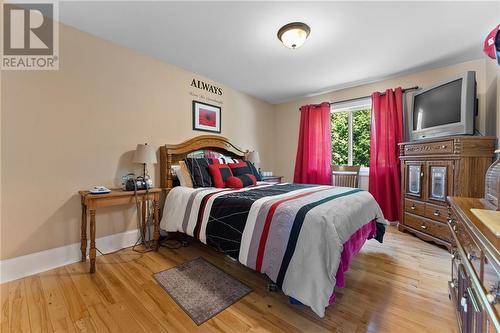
pixel 206 117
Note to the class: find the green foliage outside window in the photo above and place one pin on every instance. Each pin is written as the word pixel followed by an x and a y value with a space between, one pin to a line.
pixel 361 121
pixel 340 138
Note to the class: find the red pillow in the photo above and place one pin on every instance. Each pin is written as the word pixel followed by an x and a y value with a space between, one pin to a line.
pixel 241 181
pixel 219 173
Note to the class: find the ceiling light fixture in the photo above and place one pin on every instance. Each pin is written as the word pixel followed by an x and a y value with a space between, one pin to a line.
pixel 294 34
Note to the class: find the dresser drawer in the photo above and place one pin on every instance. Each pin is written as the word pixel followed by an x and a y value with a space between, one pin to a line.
pixel 469 245
pixel 415 207
pixel 435 212
pixel 440 147
pixel 436 229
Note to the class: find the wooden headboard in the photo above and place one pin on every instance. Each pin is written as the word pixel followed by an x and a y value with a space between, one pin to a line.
pixel 172 154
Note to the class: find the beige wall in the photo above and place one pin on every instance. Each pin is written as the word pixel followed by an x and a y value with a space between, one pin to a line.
pixel 287 116
pixel 67 130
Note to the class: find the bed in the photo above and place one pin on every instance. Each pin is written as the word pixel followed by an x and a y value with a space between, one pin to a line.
pixel 301 236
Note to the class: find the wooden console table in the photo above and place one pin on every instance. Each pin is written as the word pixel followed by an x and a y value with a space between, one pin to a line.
pixel 90 202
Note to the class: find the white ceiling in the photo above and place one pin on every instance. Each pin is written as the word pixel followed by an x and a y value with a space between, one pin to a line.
pixel 235 43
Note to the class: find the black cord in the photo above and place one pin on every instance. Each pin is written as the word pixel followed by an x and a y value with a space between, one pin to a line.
pixel 478 132
pixel 176 244
pixel 114 252
pixel 143 232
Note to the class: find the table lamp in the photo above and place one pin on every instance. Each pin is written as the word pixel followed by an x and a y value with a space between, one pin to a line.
pixel 254 157
pixel 144 154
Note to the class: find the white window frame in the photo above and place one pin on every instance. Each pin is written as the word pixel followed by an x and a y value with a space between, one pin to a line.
pixel 350 107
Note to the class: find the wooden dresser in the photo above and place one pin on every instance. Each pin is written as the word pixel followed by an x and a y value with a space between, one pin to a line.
pixel 475 270
pixel 433 169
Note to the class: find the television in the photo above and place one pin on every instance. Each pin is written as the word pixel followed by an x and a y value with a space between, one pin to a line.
pixel 446 108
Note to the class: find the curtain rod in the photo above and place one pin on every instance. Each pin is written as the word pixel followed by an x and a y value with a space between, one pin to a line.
pixel 369 96
pixel 381 94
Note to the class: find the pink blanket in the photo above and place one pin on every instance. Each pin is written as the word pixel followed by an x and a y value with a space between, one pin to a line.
pixel 351 248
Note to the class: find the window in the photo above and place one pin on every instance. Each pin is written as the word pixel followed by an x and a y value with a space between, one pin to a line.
pixel 351 122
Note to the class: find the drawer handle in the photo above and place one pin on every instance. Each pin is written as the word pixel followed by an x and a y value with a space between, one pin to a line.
pixel 423 226
pixel 443 147
pixel 413 207
pixel 436 213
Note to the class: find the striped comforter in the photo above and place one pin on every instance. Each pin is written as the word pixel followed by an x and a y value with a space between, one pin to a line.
pixel 293 233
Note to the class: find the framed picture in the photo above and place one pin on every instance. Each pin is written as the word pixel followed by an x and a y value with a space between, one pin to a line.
pixel 206 117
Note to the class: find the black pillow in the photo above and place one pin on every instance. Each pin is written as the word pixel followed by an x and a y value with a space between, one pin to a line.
pixel 240 169
pixel 198 168
pixel 254 171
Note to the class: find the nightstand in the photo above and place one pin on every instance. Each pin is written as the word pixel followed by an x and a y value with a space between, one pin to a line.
pixel 116 197
pixel 276 179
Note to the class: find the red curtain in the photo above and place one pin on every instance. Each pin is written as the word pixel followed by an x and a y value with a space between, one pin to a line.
pixel 386 133
pixel 313 164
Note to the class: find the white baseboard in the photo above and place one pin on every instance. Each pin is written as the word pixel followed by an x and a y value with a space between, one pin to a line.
pixel 19 267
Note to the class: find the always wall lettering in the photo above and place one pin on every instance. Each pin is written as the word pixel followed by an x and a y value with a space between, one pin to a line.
pixel 206 87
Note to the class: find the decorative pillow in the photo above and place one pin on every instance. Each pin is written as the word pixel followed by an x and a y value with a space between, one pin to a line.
pixel 183 175
pixel 225 160
pixel 240 169
pixel 220 173
pixel 204 153
pixel 241 181
pixel 212 154
pixel 230 160
pixel 173 170
pixel 216 161
pixel 254 171
pixel 198 168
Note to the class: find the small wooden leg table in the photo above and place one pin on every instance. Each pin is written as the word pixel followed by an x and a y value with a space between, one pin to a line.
pixel 90 203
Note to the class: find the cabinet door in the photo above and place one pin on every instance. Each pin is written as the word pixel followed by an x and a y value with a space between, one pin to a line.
pixel 414 173
pixel 440 180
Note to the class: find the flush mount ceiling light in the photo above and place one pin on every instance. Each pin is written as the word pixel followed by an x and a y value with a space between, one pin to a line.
pixel 294 34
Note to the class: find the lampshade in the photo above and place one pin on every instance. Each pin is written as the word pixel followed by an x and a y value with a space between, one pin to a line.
pixel 144 154
pixel 253 157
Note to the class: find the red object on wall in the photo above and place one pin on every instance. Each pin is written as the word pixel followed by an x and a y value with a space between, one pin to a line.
pixel 207 117
pixel 313 164
pixel 386 133
pixel 489 43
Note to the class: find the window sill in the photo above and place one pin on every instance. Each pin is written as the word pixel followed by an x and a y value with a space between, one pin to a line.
pixel 363 171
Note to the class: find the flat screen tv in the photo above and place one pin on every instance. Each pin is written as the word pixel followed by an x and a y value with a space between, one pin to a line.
pixel 446 108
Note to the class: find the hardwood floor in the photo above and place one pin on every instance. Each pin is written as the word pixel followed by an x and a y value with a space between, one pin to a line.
pixel 398 286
